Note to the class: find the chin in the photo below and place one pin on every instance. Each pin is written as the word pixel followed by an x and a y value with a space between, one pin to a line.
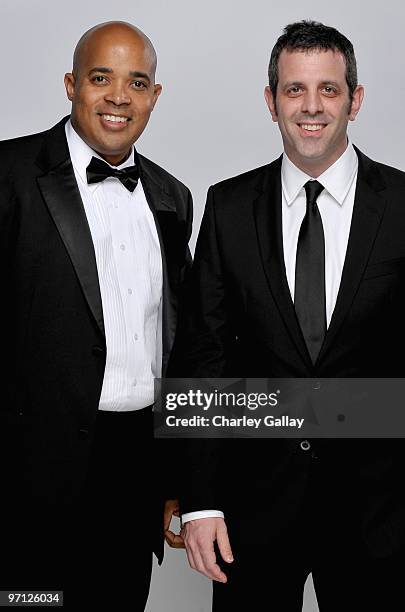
pixel 111 147
pixel 312 154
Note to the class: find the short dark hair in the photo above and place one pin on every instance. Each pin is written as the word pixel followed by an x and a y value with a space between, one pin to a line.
pixel 306 35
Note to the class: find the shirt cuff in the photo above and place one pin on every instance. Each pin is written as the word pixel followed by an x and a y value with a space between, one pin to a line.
pixel 192 516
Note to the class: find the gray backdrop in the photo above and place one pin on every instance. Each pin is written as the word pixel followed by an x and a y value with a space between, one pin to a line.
pixel 211 121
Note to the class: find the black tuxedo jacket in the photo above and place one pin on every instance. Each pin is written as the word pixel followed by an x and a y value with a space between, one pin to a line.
pixel 242 323
pixel 53 340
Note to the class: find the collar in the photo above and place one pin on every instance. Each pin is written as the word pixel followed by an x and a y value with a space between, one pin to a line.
pixel 337 179
pixel 81 154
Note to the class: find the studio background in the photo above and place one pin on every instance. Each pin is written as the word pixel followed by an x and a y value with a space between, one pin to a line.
pixel 211 121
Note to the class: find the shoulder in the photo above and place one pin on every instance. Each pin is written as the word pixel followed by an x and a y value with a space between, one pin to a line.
pixel 393 176
pixel 18 155
pixel 251 179
pixel 379 174
pixel 24 147
pixel 236 182
pixel 245 187
pixel 161 176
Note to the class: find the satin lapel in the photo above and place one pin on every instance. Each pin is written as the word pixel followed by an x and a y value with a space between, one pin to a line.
pixel 267 211
pixel 163 209
pixel 62 197
pixel 369 207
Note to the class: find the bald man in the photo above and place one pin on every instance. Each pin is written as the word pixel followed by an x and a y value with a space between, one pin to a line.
pixel 93 256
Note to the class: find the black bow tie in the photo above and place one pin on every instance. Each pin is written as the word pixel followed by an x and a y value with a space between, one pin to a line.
pixel 97 171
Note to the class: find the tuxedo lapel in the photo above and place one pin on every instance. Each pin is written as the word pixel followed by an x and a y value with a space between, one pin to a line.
pixel 369 206
pixel 62 197
pixel 163 208
pixel 267 211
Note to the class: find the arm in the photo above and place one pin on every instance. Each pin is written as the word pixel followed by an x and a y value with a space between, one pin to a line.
pixel 201 351
pixel 174 451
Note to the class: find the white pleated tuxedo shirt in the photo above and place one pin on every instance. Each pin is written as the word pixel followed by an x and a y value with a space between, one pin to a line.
pixel 335 205
pixel 129 266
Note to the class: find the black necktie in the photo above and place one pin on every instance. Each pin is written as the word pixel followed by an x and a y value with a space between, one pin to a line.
pixel 309 293
pixel 97 171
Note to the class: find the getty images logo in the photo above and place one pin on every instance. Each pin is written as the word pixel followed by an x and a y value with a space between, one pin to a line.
pixel 220 399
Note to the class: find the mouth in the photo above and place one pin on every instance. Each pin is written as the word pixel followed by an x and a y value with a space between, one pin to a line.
pixel 311 129
pixel 114 121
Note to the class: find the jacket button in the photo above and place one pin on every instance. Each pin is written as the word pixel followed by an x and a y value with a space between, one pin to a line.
pixel 97 350
pixel 83 433
pixel 305 445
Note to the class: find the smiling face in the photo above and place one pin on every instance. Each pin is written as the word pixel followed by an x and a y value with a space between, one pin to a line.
pixel 313 107
pixel 112 89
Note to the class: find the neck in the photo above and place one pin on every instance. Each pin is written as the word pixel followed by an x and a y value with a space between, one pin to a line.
pixel 114 160
pixel 316 167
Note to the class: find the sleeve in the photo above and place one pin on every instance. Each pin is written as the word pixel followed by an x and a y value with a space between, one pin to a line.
pixel 171 451
pixel 201 352
pixel 194 516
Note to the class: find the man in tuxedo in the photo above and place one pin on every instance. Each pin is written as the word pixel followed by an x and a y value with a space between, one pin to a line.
pixel 94 253
pixel 299 273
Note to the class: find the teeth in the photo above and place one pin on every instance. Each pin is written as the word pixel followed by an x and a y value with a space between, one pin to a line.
pixel 115 119
pixel 311 127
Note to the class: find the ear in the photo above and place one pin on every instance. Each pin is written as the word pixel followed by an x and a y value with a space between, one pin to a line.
pixel 357 100
pixel 69 81
pixel 156 93
pixel 271 103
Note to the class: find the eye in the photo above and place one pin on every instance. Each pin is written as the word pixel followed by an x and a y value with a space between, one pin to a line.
pixel 138 85
pixel 99 78
pixel 294 90
pixel 329 90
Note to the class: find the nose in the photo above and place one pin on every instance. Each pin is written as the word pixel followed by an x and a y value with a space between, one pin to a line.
pixel 117 94
pixel 312 102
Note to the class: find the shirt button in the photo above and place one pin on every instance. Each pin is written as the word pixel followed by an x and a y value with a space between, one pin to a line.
pixel 130 291
pixel 134 382
pixel 135 337
pixel 122 247
pixel 305 445
pixel 115 205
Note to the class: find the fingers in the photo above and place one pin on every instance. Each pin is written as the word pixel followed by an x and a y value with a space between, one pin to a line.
pixel 171 507
pixel 223 543
pixel 174 540
pixel 194 558
pixel 209 565
pixel 199 537
pixel 167 517
pixel 204 561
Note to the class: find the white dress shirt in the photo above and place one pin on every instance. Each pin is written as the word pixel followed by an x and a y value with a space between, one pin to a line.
pixel 335 205
pixel 129 266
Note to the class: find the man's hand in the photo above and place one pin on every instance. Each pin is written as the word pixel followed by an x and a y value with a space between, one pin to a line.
pixel 199 537
pixel 172 509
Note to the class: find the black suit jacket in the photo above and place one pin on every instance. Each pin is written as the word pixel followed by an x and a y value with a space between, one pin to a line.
pixel 53 340
pixel 242 323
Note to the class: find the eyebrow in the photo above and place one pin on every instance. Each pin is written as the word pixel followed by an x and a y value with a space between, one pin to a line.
pixel 139 75
pixel 300 84
pixel 102 69
pixel 132 73
pixel 334 83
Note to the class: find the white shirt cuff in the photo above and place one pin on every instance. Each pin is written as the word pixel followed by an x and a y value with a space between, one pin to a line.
pixel 192 516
